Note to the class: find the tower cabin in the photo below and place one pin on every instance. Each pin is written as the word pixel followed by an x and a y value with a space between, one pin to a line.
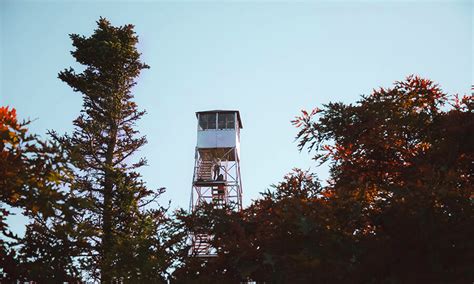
pixel 218 132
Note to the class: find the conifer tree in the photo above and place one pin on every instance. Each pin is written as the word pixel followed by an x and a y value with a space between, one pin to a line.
pixel 122 230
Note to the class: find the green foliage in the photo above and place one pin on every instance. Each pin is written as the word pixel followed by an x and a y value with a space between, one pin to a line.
pixel 125 236
pixel 31 175
pixel 90 212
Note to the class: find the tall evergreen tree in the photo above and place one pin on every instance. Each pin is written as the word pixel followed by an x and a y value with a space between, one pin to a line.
pixel 123 232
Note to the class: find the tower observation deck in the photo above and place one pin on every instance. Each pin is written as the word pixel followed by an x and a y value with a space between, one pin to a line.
pixel 216 178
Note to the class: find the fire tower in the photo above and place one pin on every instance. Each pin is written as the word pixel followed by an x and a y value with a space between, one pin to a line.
pixel 216 178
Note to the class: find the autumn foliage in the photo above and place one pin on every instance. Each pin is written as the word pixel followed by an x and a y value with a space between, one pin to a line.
pixel 10 162
pixel 396 209
pixel 401 167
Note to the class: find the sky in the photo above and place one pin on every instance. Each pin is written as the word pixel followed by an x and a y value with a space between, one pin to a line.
pixel 266 59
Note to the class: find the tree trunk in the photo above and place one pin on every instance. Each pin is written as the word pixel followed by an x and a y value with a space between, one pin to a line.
pixel 106 265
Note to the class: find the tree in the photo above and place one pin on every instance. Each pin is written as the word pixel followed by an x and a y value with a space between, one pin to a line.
pixel 11 164
pixel 401 171
pixel 287 236
pixel 12 133
pixel 31 174
pixel 121 229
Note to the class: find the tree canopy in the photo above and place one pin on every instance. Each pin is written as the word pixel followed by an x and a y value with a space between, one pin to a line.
pixel 396 209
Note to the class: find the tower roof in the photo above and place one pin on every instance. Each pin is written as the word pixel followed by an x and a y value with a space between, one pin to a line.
pixel 223 111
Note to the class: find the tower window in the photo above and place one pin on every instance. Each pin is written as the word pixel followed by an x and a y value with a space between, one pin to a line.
pixel 207 121
pixel 226 121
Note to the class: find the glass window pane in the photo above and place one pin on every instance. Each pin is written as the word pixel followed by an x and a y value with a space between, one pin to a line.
pixel 207 121
pixel 226 121
pixel 202 122
pixel 211 121
pixel 230 121
pixel 221 120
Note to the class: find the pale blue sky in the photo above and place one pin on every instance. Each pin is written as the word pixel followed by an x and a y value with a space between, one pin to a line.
pixel 266 59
